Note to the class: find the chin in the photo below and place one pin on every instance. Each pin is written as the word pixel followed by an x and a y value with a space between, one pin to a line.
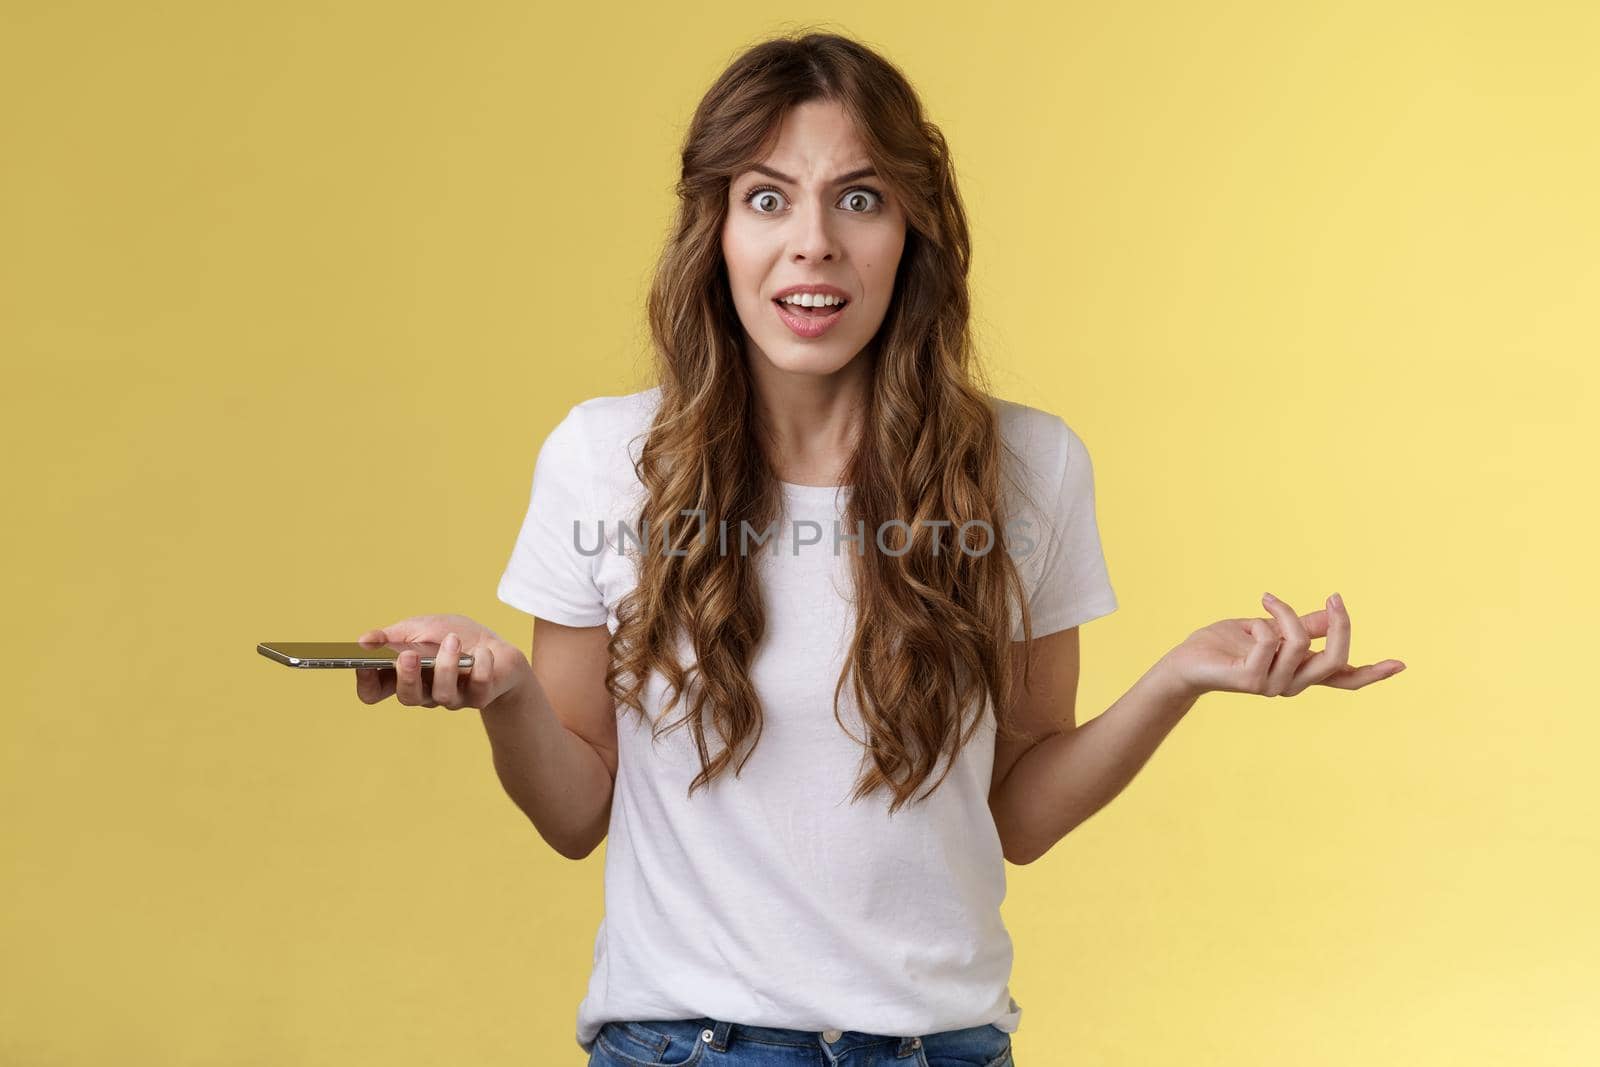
pixel 797 357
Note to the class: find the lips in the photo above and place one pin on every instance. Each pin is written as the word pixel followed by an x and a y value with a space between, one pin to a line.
pixel 810 312
pixel 809 322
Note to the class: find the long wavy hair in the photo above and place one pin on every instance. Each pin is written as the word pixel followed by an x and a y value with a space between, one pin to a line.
pixel 932 634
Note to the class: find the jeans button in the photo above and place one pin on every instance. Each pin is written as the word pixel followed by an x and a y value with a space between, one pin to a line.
pixel 830 1036
pixel 706 1035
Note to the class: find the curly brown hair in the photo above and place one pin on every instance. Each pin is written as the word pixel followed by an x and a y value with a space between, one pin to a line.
pixel 933 629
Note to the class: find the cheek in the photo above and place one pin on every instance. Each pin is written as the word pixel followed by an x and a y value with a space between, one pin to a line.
pixel 730 248
pixel 882 260
pixel 743 262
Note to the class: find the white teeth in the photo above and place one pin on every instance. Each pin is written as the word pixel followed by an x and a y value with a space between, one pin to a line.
pixel 810 300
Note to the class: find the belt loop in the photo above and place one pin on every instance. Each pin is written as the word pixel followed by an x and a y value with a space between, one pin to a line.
pixel 720 1033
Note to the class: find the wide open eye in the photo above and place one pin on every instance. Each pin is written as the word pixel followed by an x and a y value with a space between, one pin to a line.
pixel 764 194
pixel 877 198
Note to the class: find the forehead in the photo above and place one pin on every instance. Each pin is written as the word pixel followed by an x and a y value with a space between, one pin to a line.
pixel 817 136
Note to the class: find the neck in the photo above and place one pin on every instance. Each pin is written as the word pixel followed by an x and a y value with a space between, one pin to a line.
pixel 811 422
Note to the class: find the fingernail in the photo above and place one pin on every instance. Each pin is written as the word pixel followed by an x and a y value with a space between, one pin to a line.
pixel 1400 668
pixel 1269 598
pixel 1337 600
pixel 448 638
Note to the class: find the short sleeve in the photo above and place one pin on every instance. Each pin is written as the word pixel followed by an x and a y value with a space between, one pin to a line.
pixel 551 572
pixel 1072 585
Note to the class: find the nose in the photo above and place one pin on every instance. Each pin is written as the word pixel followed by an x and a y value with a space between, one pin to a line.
pixel 813 238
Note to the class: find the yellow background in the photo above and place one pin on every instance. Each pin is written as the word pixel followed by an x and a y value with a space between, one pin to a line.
pixel 292 292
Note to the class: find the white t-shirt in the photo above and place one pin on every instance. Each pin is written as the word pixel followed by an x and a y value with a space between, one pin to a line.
pixel 771 900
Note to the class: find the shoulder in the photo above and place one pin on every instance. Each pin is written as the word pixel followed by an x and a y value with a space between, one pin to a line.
pixel 604 419
pixel 1038 444
pixel 601 428
pixel 606 434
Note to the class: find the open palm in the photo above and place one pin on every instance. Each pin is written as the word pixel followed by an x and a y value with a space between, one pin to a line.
pixel 1273 657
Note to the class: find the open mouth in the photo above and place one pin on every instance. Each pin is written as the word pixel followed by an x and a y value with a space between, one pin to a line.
pixel 814 312
pixel 809 323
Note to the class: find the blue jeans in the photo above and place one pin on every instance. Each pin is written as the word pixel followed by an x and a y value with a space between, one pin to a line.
pixel 714 1043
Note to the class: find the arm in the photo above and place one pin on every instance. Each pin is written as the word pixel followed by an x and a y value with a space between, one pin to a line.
pixel 1041 792
pixel 555 739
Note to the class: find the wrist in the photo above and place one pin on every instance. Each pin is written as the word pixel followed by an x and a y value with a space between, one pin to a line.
pixel 1168 679
pixel 516 700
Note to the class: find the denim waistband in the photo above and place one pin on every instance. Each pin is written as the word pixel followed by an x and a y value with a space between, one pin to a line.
pixel 724 1033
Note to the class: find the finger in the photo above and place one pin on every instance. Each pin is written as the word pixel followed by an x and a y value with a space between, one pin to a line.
pixel 1316 623
pixel 445 671
pixel 479 675
pixel 374 685
pixel 408 680
pixel 383 635
pixel 396 633
pixel 1334 656
pixel 410 629
pixel 1356 677
pixel 1293 650
pixel 1259 659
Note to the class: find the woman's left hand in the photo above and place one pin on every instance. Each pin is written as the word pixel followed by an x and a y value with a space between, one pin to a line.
pixel 1272 657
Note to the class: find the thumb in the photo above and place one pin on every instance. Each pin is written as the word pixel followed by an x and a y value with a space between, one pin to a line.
pixel 402 632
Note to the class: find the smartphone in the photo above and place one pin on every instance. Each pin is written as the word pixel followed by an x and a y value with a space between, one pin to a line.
pixel 349 654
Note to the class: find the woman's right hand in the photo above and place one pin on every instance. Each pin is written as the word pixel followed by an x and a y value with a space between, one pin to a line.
pixel 497 666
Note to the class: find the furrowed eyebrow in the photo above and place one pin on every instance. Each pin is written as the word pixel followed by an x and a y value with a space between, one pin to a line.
pixel 864 172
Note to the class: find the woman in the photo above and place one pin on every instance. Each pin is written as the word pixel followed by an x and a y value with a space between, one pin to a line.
pixel 831 893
